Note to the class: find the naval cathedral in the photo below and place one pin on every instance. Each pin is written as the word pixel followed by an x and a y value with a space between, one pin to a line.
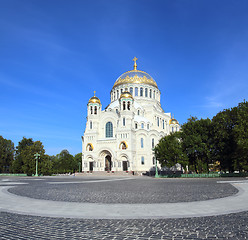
pixel 122 136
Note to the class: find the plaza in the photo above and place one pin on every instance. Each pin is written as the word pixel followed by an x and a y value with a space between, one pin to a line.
pixel 122 207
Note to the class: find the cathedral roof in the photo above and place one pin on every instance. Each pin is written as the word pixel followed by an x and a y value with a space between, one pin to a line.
pixel 135 76
pixel 173 121
pixel 94 99
pixel 126 95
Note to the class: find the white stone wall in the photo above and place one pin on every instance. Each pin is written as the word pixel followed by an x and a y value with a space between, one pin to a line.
pixel 146 119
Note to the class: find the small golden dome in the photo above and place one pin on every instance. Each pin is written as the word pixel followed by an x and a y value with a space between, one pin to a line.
pixel 94 99
pixel 173 121
pixel 126 95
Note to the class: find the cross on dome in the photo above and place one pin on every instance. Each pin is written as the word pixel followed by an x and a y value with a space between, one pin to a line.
pixel 135 64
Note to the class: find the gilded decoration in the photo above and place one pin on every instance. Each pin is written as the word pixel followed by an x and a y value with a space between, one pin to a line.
pixel 126 95
pixel 173 121
pixel 94 99
pixel 135 79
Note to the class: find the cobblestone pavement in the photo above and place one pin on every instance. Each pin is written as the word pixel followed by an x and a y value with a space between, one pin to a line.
pixel 231 226
pixel 134 190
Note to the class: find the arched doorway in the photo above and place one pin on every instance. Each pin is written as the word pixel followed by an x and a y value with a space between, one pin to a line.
pixel 125 163
pixel 108 164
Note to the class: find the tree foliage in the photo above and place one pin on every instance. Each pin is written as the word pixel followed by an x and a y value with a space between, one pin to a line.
pixel 205 142
pixel 6 154
pixel 64 162
pixel 196 144
pixel 169 151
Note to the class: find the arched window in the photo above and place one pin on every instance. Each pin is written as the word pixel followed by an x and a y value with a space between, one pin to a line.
pixel 124 121
pixel 138 112
pixel 124 105
pixel 141 92
pixel 152 142
pixel 136 125
pixel 91 110
pixel 136 91
pixel 148 126
pixel 158 121
pixel 142 125
pixel 146 92
pixel 163 124
pixel 142 160
pixel 90 124
pixel 95 109
pixel 109 130
pixel 128 105
pixel 131 90
pixel 172 129
pixel 123 146
pixel 150 93
pixel 142 143
pixel 114 95
pixel 154 94
pixel 89 147
pixel 117 94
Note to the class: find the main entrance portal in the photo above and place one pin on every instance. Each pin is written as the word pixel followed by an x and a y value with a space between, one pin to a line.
pixel 108 164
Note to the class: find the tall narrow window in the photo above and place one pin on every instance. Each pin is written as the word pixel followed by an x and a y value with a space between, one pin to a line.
pixel 163 124
pixel 131 90
pixel 141 92
pixel 172 129
pixel 138 112
pixel 142 125
pixel 95 109
pixel 90 124
pixel 128 105
pixel 121 90
pixel 154 94
pixel 114 95
pixel 142 143
pixel 150 93
pixel 109 129
pixel 117 94
pixel 152 142
pixel 91 110
pixel 136 125
pixel 124 105
pixel 146 92
pixel 142 160
pixel 158 121
pixel 124 122
pixel 148 126
pixel 136 91
pixel 153 160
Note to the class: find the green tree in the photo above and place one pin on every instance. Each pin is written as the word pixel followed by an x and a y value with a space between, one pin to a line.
pixel 196 143
pixel 6 154
pixel 169 151
pixel 78 159
pixel 64 162
pixel 18 162
pixel 224 139
pixel 25 161
pixel 241 137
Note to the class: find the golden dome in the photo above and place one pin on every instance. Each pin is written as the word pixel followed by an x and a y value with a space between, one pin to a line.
pixel 135 76
pixel 126 95
pixel 173 121
pixel 94 99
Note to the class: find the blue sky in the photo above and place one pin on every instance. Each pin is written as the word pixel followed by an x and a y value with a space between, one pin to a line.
pixel 55 53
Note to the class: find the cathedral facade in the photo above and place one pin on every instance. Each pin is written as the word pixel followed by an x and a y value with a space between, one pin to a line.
pixel 122 136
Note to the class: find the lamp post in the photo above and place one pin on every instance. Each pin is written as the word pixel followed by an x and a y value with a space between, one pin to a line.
pixel 156 166
pixel 37 155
